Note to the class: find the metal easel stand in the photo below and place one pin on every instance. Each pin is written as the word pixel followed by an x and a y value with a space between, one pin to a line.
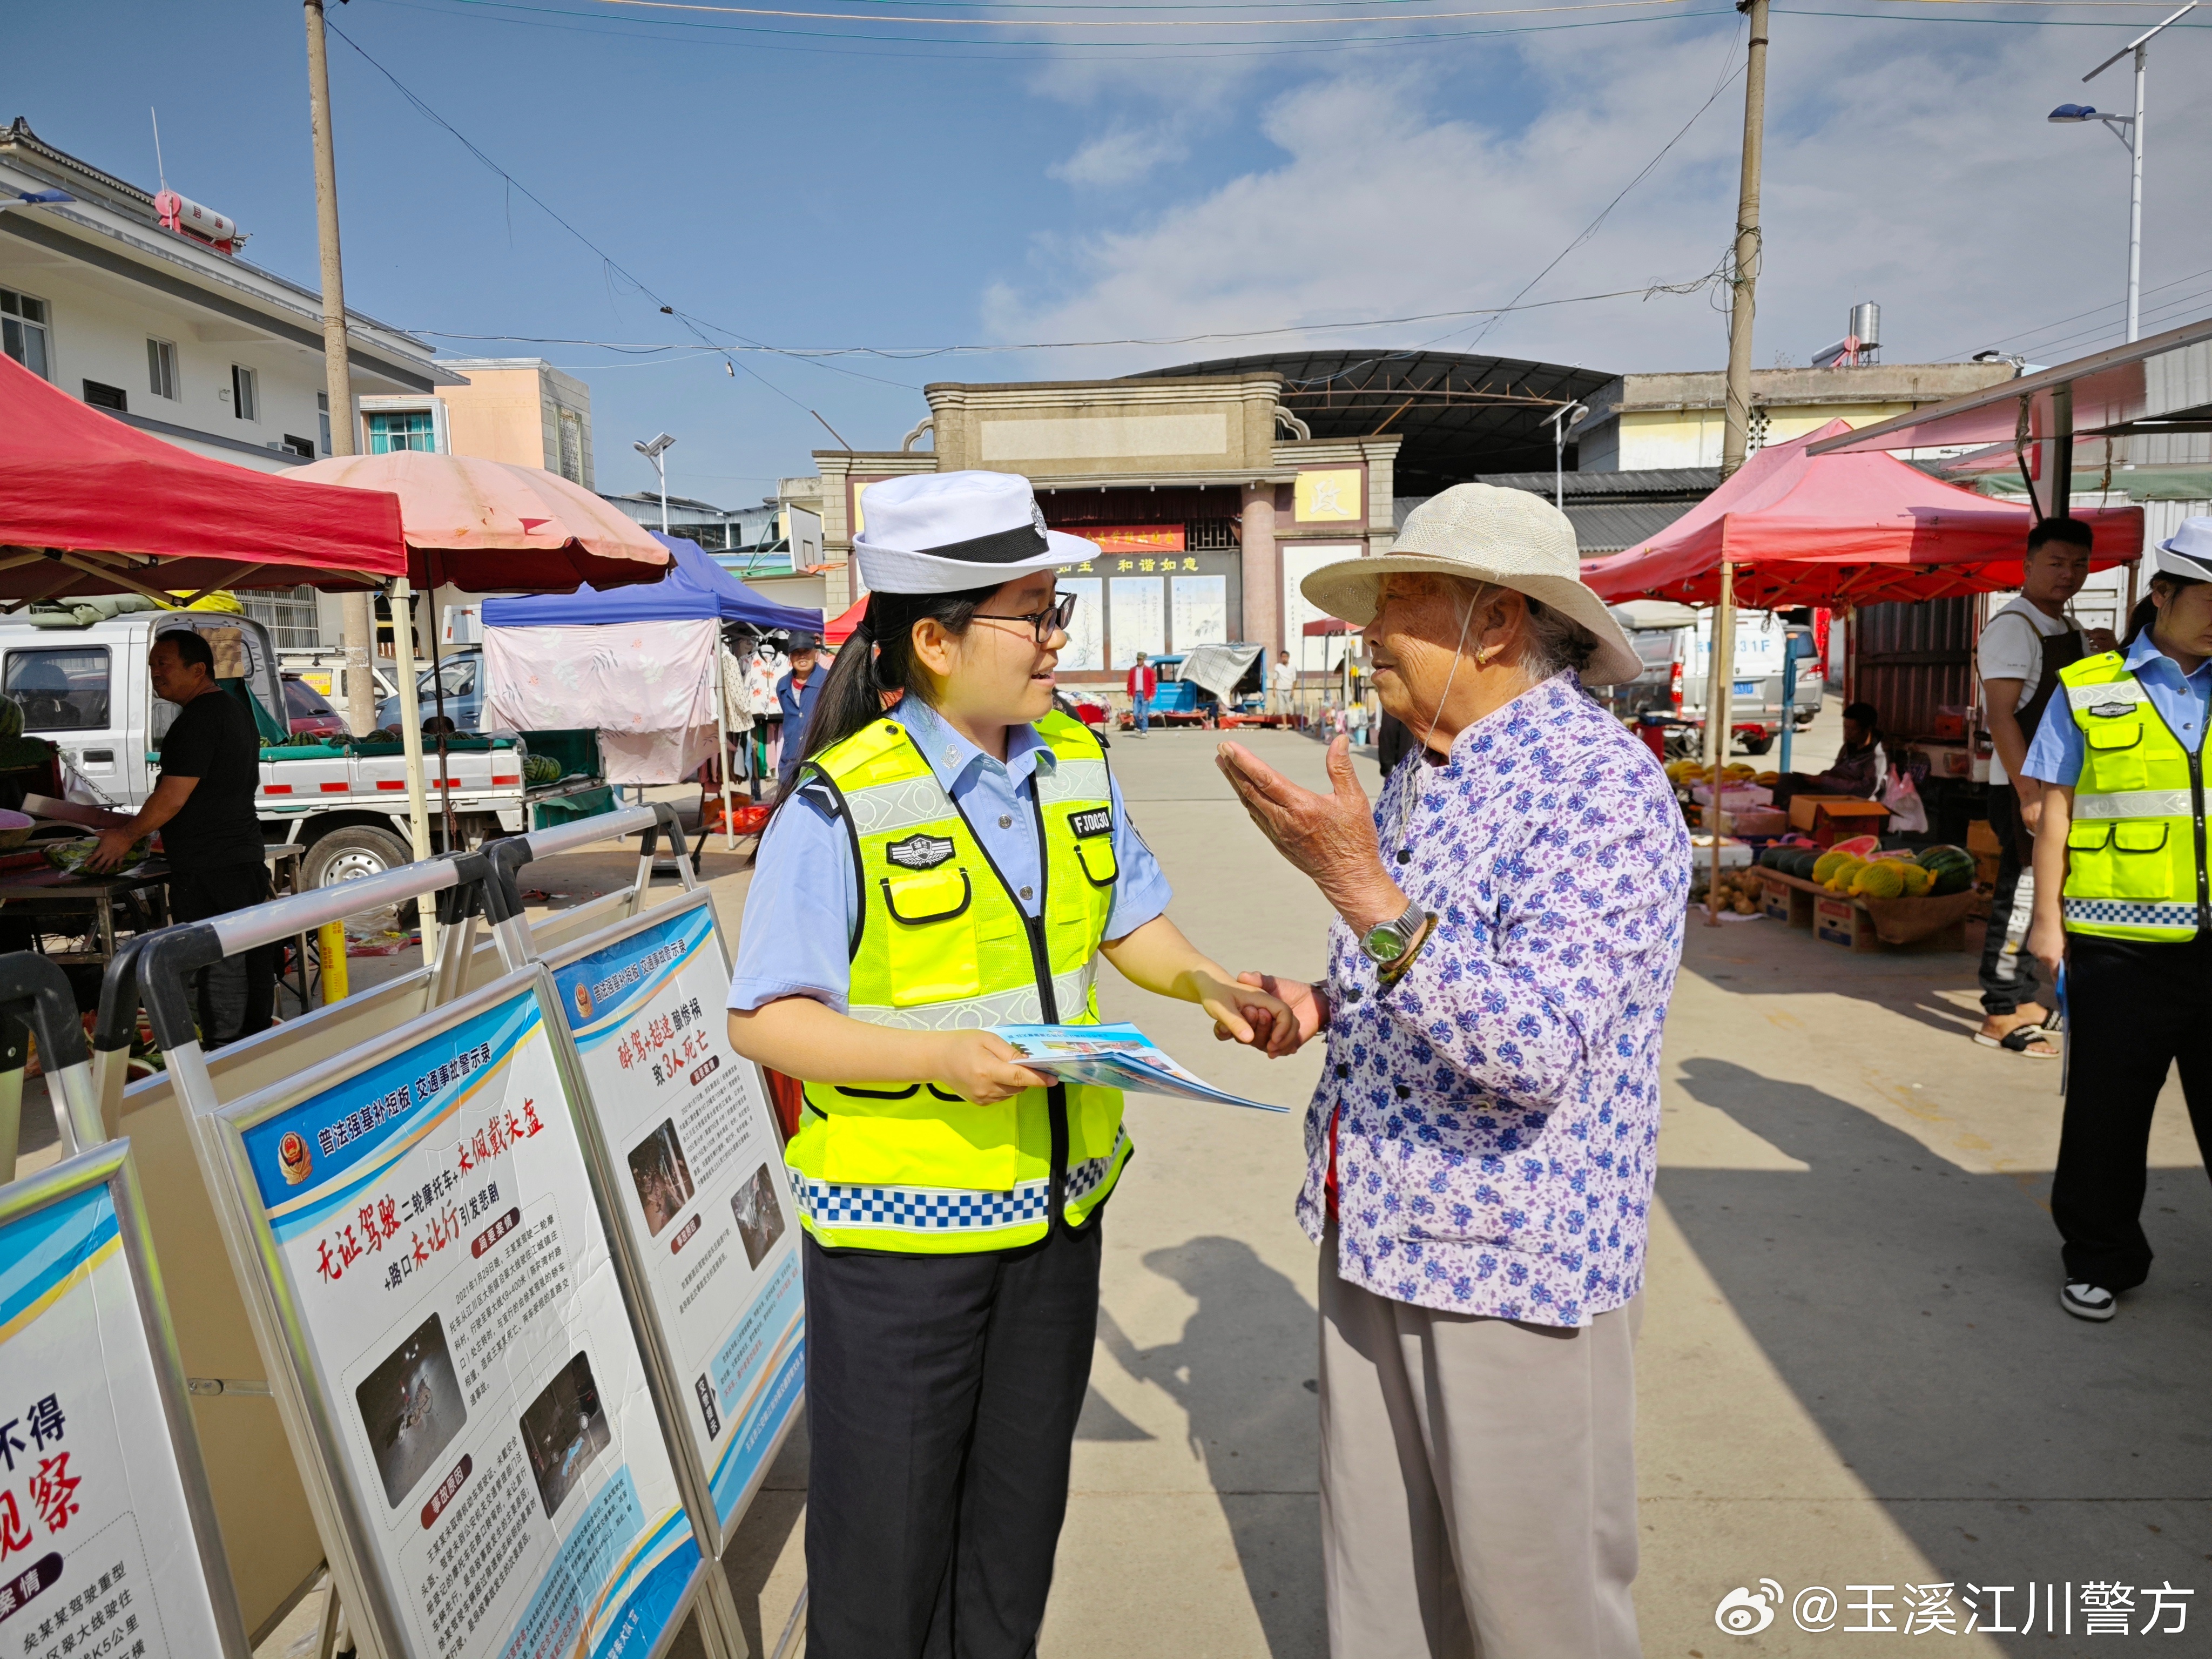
pixel 35 996
pixel 502 891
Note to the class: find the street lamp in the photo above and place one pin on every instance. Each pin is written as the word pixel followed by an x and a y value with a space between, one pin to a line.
pixel 2139 48
pixel 1566 415
pixel 654 449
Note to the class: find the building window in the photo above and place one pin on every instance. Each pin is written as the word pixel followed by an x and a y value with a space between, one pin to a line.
pixel 303 448
pixel 1201 535
pixel 323 419
pixel 400 428
pixel 572 447
pixel 23 331
pixel 106 397
pixel 243 403
pixel 162 368
pixel 289 614
pixel 64 691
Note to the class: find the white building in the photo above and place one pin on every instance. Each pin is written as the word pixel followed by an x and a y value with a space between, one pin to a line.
pixel 168 332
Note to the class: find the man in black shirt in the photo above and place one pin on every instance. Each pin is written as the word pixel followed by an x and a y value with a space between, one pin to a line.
pixel 211 835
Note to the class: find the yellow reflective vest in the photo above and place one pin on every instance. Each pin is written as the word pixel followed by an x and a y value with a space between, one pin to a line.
pixel 942 944
pixel 2135 850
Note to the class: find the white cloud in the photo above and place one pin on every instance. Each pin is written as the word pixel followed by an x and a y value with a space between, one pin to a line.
pixel 1907 164
pixel 1121 156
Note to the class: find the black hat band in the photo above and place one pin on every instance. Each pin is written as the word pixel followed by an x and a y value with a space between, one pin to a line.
pixel 999 547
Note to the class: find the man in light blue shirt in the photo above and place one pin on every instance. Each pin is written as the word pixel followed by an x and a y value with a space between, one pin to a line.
pixel 795 939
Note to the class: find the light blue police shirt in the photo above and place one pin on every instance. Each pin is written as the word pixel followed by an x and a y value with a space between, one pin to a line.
pixel 795 938
pixel 2182 701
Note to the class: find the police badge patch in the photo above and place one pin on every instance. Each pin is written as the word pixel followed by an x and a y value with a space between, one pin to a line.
pixel 1098 821
pixel 2111 711
pixel 918 852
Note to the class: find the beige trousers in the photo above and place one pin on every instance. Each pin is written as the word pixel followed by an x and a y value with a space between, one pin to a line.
pixel 1477 1482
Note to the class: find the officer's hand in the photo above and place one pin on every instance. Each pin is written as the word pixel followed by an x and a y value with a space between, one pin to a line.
pixel 1304 1012
pixel 979 1066
pixel 2046 943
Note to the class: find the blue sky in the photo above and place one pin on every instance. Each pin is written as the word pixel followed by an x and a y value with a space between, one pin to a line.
pixel 804 182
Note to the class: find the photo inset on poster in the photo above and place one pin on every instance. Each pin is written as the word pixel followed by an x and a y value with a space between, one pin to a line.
pixel 760 1218
pixel 563 1429
pixel 657 1165
pixel 412 1408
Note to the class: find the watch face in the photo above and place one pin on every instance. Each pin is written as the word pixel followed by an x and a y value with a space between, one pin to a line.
pixel 1383 945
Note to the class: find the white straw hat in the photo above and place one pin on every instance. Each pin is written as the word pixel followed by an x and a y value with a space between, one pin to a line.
pixel 944 533
pixel 1508 537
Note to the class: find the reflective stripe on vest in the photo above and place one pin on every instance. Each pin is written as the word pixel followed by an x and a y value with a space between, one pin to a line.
pixel 2135 850
pixel 943 945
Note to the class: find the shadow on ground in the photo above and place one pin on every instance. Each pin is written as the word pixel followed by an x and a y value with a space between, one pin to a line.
pixel 1911 1306
pixel 1251 1418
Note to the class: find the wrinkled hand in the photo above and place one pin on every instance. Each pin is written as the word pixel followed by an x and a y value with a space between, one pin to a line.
pixel 1306 1009
pixel 115 845
pixel 1244 1012
pixel 979 1066
pixel 1331 838
pixel 2046 943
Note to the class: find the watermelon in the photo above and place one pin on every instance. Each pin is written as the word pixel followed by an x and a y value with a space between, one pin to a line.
pixel 541 768
pixel 1859 847
pixel 1953 868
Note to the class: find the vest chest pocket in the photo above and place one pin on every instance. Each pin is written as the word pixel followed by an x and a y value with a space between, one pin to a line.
pixel 2116 760
pixel 931 948
pixel 1096 855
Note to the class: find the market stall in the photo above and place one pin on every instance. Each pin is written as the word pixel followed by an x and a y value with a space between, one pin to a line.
pixel 640 664
pixel 1793 528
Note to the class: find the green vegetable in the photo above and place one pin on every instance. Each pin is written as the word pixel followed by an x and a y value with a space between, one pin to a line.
pixel 71 855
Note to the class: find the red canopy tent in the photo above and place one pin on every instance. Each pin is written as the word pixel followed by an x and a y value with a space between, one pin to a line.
pixel 840 627
pixel 1841 530
pixel 88 505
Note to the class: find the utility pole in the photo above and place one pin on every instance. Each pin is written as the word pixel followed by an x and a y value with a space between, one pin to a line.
pixel 1736 433
pixel 359 618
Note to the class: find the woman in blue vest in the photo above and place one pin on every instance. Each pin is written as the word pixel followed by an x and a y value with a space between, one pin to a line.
pixel 952 855
pixel 2122 894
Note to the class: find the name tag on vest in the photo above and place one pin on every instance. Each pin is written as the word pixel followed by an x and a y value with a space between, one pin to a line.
pixel 2111 711
pixel 918 852
pixel 1098 821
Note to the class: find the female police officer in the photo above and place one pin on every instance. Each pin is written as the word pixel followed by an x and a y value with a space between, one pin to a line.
pixel 953 855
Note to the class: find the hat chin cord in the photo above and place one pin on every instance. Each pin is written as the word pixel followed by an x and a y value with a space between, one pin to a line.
pixel 1466 622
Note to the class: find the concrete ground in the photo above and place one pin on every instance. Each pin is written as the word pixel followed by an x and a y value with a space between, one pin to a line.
pixel 1853 1371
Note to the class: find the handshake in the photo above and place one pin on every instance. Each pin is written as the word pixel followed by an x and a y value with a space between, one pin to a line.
pixel 1279 1020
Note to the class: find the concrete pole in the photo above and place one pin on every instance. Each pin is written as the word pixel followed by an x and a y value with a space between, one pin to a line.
pixel 1744 275
pixel 2134 201
pixel 360 621
pixel 1262 570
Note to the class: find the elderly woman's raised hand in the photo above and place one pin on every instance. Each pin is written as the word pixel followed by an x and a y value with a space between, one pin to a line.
pixel 1306 1011
pixel 1330 837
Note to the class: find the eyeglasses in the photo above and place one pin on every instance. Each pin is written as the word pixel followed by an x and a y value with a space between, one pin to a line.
pixel 1047 623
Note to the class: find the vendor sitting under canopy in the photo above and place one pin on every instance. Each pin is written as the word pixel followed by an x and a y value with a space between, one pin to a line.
pixel 1859 764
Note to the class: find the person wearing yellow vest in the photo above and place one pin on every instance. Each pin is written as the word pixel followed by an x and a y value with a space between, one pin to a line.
pixel 953 854
pixel 2124 898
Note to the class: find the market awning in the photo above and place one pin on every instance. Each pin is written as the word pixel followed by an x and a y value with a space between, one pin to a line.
pixel 90 505
pixel 692 588
pixel 1313 631
pixel 1804 528
pixel 2160 386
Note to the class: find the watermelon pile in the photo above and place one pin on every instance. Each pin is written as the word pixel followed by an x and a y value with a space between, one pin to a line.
pixel 541 768
pixel 1848 869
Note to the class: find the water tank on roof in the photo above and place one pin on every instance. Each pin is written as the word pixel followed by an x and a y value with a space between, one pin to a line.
pixel 1866 327
pixel 202 224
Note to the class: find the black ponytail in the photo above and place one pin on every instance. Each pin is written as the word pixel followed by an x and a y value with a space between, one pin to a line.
pixel 875 665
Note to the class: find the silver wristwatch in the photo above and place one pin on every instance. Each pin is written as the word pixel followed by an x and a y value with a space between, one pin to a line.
pixel 1385 944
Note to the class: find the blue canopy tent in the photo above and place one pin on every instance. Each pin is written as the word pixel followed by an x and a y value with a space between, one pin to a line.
pixel 695 589
pixel 695 586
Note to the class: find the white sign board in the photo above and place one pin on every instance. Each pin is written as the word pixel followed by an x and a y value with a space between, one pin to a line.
pixel 99 1555
pixel 1086 628
pixel 1301 560
pixel 425 1208
pixel 1140 618
pixel 698 1175
pixel 1200 610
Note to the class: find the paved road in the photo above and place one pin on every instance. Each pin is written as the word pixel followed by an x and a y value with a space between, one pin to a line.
pixel 1853 1369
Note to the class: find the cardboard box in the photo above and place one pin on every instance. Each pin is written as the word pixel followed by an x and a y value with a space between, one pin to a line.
pixel 1760 821
pixel 1980 838
pixel 1839 921
pixel 1840 820
pixel 1800 808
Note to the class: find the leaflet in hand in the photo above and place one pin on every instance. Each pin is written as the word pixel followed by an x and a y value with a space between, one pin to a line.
pixel 1113 1057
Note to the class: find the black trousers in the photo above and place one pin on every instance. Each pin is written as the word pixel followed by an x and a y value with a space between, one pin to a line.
pixel 941 1398
pixel 2010 978
pixel 235 997
pixel 2133 1010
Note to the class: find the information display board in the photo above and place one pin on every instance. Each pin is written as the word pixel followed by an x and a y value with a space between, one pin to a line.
pixel 457 1335
pixel 697 1167
pixel 106 1555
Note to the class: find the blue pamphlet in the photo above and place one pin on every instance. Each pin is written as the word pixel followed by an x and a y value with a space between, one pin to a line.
pixel 1113 1057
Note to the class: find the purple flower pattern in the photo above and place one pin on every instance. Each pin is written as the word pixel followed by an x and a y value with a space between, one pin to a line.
pixel 1499 1105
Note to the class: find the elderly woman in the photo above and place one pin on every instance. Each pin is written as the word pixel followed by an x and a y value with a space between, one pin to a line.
pixel 1480 1149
